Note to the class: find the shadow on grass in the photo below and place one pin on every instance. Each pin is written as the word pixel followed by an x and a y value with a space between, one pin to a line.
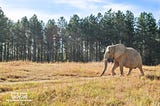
pixel 77 75
pixel 5 89
pixel 153 77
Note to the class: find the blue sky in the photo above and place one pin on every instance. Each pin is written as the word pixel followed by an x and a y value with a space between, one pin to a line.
pixel 53 9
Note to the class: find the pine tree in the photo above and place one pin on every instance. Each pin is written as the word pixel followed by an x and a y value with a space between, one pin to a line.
pixel 3 33
pixel 51 32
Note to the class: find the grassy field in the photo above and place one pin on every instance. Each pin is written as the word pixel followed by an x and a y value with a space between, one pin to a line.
pixel 77 84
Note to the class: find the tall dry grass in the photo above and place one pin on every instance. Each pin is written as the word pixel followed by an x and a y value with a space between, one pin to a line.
pixel 70 83
pixel 26 70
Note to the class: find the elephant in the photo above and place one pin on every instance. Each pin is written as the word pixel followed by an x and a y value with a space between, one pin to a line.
pixel 123 57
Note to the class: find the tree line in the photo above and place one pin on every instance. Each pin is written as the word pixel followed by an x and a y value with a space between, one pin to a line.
pixel 79 39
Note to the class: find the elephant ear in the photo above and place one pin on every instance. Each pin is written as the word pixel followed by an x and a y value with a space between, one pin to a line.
pixel 119 50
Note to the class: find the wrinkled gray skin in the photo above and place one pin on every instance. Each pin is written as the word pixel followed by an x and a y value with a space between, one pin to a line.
pixel 123 57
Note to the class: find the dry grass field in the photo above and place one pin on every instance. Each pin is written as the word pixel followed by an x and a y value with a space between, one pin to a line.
pixel 77 84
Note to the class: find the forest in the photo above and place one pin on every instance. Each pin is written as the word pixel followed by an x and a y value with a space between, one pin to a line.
pixel 79 39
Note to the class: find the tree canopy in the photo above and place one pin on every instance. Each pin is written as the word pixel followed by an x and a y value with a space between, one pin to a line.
pixel 79 39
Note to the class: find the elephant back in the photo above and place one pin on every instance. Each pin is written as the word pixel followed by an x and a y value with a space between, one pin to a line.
pixel 119 50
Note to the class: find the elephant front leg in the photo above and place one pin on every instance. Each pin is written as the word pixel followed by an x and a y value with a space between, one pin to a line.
pixel 113 68
pixel 121 70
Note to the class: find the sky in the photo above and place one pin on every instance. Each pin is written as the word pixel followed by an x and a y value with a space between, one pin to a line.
pixel 54 9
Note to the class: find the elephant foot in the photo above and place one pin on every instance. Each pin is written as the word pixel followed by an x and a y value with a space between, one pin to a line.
pixel 142 75
pixel 113 73
pixel 128 74
pixel 121 75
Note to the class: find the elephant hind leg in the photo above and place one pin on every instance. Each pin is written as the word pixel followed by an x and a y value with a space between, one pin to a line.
pixel 129 72
pixel 141 70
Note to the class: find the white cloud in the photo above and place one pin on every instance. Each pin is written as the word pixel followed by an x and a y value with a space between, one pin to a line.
pixel 157 1
pixel 123 7
pixel 116 7
pixel 75 3
pixel 90 6
pixel 98 1
pixel 156 14
pixel 16 14
pixel 81 4
pixel 82 8
pixel 85 7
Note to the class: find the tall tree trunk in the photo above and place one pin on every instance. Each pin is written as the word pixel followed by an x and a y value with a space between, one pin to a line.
pixel 5 51
pixel 1 50
pixel 14 52
pixel 87 48
pixel 96 51
pixel 99 50
pixel 34 51
pixel 24 57
pixel 17 52
pixel 41 53
pixel 38 55
pixel 62 56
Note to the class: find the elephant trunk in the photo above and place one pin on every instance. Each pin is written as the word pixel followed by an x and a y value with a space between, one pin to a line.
pixel 105 66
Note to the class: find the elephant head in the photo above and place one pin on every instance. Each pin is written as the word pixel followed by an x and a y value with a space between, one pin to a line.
pixel 113 51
